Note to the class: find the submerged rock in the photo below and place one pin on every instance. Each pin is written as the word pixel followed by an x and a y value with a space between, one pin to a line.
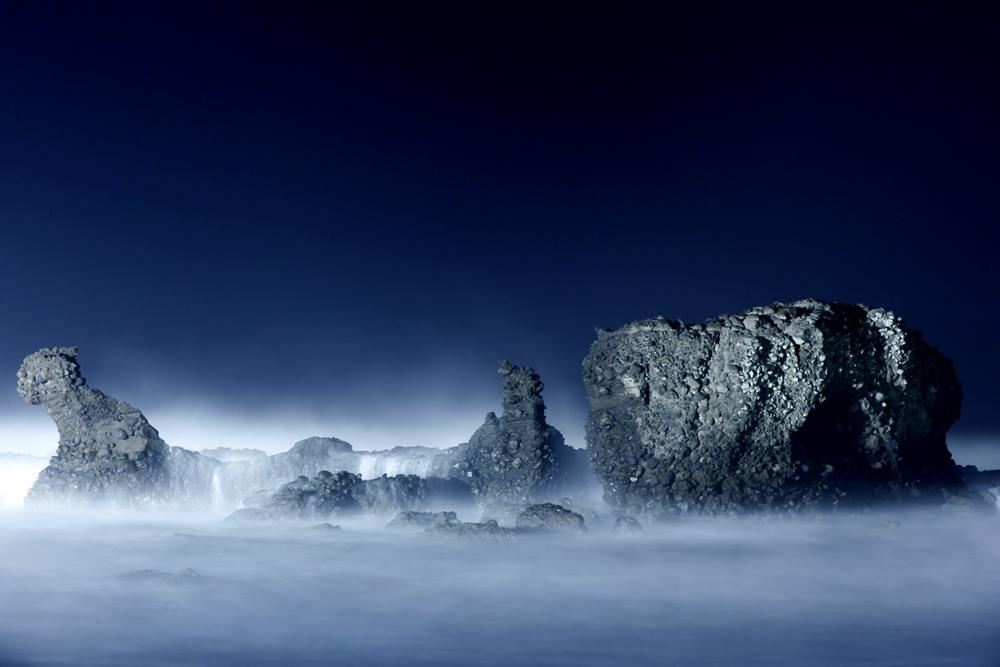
pixel 789 406
pixel 422 520
pixel 549 516
pixel 324 528
pixel 330 494
pixel 627 525
pixel 487 530
pixel 512 458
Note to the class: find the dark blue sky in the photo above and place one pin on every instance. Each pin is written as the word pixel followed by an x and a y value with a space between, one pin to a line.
pixel 343 210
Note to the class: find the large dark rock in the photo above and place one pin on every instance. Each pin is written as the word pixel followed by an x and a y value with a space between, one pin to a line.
pixel 807 404
pixel 517 457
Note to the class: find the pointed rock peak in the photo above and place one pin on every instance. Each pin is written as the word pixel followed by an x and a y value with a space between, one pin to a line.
pixel 522 393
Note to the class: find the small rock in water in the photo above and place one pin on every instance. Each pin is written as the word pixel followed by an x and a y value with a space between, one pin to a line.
pixel 549 516
pixel 627 524
pixel 324 528
pixel 414 519
pixel 590 516
pixel 487 530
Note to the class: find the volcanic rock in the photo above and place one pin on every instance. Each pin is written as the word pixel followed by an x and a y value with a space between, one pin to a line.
pixel 324 527
pixel 549 516
pixel 331 494
pixel 107 449
pixel 108 452
pixel 789 406
pixel 513 458
pixel 590 515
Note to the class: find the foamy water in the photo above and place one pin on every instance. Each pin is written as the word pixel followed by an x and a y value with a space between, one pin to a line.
pixel 371 466
pixel 897 589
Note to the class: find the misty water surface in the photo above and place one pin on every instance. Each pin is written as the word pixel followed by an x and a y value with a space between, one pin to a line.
pixel 841 590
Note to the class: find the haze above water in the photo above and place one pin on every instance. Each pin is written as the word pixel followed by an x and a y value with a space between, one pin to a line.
pixel 836 590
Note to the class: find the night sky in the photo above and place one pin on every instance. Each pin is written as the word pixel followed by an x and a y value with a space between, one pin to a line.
pixel 343 218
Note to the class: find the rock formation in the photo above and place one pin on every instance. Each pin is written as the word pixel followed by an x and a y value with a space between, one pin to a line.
pixel 332 494
pixel 512 459
pixel 807 404
pixel 107 449
pixel 549 516
pixel 108 452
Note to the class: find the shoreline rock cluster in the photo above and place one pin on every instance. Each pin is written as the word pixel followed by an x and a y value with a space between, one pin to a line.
pixel 109 453
pixel 795 406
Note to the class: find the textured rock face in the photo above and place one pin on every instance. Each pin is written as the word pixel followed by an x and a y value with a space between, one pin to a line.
pixel 511 459
pixel 109 452
pixel 784 406
pixel 107 449
pixel 549 516
pixel 331 494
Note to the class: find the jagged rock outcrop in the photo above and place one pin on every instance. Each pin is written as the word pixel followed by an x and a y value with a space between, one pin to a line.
pixel 109 452
pixel 806 404
pixel 331 494
pixel 517 457
pixel 107 449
